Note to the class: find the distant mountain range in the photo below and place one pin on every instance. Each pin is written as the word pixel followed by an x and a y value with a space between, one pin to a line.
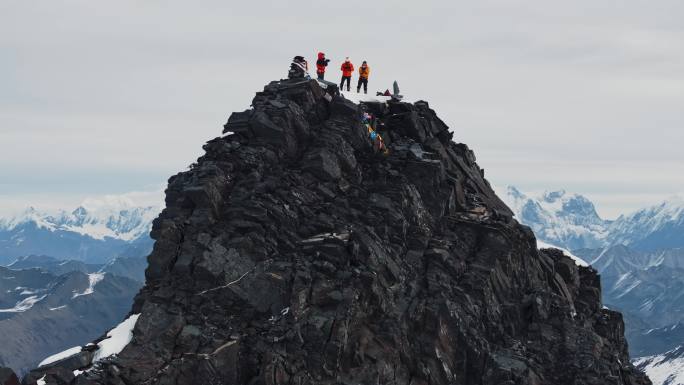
pixel 640 257
pixel 42 312
pixel 129 267
pixel 571 221
pixel 68 276
pixel 93 233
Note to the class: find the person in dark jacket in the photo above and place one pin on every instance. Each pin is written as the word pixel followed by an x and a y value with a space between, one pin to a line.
pixel 364 73
pixel 347 69
pixel 321 63
pixel 299 68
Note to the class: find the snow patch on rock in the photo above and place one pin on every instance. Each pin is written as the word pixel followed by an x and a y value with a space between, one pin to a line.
pixel 358 97
pixel 24 304
pixel 93 279
pixel 117 339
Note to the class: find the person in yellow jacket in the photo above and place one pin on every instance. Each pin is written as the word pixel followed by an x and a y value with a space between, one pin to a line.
pixel 364 73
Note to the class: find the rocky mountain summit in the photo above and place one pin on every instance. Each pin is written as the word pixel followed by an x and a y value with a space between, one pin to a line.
pixel 293 253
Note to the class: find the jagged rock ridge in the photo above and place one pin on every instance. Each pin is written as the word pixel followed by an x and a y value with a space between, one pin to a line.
pixel 292 253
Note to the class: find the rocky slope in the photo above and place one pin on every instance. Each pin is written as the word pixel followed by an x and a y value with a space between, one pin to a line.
pixel 292 253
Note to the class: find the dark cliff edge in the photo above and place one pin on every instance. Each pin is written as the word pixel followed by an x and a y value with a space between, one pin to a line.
pixel 293 253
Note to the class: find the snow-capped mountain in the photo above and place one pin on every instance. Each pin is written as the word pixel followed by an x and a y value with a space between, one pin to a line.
pixel 571 221
pixel 656 227
pixel 559 218
pixel 113 217
pixel 664 369
pixel 96 231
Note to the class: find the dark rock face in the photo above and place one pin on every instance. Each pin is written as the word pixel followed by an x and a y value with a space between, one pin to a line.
pixel 7 377
pixel 292 253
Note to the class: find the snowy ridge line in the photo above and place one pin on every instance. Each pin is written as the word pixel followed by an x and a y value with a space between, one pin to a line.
pixel 117 339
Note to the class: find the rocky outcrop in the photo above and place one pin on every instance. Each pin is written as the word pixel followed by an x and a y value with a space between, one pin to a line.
pixel 292 253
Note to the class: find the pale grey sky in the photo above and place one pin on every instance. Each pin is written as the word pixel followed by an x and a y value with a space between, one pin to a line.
pixel 111 97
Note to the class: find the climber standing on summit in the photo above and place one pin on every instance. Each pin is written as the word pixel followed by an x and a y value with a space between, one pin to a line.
pixel 364 72
pixel 321 63
pixel 347 69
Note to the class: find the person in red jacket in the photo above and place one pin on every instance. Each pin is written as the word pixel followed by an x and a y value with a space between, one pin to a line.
pixel 347 70
pixel 321 63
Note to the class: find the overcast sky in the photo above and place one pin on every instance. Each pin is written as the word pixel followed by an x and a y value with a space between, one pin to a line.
pixel 111 97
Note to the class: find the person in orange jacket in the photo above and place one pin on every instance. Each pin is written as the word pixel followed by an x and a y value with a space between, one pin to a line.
pixel 347 69
pixel 364 73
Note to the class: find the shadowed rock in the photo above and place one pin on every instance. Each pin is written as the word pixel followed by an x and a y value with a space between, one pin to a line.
pixel 7 377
